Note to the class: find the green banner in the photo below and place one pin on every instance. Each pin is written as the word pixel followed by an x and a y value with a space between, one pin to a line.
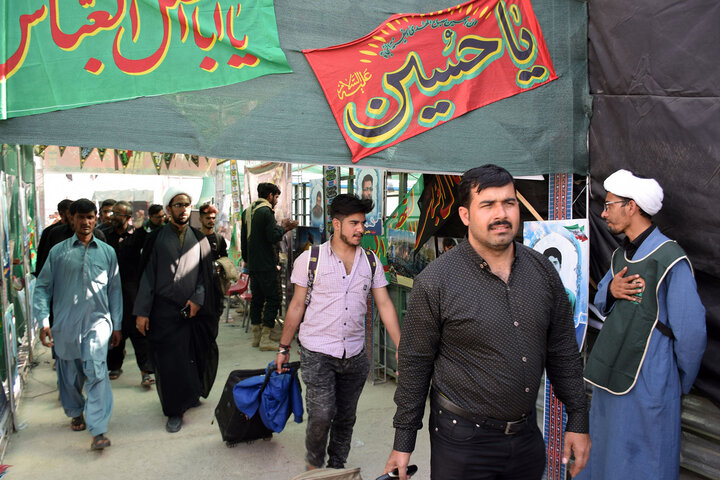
pixel 85 52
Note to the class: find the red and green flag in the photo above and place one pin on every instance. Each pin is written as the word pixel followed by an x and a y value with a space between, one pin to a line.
pixel 61 54
pixel 416 71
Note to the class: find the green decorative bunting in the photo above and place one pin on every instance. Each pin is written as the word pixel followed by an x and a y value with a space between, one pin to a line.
pixel 124 156
pixel 167 158
pixel 157 161
pixel 101 152
pixel 62 150
pixel 84 154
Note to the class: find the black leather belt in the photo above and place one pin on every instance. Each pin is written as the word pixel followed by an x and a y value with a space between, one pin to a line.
pixel 508 428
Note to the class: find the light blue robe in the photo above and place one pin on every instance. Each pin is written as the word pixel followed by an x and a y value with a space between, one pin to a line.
pixel 84 287
pixel 637 435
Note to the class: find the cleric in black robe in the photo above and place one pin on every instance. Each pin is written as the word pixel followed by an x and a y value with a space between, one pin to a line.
pixel 177 275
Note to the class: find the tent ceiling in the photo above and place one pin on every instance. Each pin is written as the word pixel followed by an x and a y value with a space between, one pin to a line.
pixel 286 117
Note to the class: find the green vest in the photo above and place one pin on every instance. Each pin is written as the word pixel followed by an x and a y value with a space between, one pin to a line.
pixel 620 348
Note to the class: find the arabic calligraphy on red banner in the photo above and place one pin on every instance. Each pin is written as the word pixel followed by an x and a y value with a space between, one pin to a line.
pixel 416 71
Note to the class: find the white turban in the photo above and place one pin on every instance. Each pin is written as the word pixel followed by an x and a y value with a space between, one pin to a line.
pixel 173 192
pixel 647 192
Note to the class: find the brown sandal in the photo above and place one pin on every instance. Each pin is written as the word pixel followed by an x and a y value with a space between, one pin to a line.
pixel 99 442
pixel 78 424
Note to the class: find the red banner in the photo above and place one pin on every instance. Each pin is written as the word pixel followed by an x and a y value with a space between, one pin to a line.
pixel 419 70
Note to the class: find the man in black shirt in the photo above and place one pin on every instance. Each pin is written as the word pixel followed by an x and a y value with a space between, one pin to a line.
pixel 208 216
pixel 218 246
pixel 483 322
pixel 105 215
pixel 128 241
pixel 66 231
pixel 156 218
pixel 44 246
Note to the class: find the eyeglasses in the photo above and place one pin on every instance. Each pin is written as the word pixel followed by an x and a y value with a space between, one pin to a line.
pixel 607 204
pixel 180 205
pixel 113 214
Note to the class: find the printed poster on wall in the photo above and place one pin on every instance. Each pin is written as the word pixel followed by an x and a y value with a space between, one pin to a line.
pixel 419 70
pixel 565 243
pixel 317 200
pixel 369 185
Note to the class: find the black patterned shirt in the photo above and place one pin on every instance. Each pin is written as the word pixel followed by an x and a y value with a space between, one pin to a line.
pixel 484 343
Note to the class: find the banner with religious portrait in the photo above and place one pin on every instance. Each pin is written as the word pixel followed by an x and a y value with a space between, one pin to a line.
pixel 369 185
pixel 317 203
pixel 419 70
pixel 565 243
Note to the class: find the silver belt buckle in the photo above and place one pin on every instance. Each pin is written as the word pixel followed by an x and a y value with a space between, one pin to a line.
pixel 510 424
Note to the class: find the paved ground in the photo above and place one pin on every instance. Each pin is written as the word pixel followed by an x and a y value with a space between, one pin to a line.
pixel 46 448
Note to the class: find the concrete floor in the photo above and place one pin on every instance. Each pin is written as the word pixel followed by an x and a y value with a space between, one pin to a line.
pixel 44 447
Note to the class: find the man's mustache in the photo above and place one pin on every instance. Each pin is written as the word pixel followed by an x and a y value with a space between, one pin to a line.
pixel 500 223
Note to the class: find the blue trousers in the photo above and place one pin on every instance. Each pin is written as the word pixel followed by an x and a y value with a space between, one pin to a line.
pixel 92 375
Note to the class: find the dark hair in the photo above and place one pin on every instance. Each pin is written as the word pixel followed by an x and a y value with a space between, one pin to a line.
pixel 106 203
pixel 479 178
pixel 155 208
pixel 346 204
pixel 366 178
pixel 207 209
pixel 553 252
pixel 64 205
pixel 127 205
pixel 266 189
pixel 449 242
pixel 82 205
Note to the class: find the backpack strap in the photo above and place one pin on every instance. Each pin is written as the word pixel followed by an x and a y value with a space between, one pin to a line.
pixel 370 257
pixel 312 270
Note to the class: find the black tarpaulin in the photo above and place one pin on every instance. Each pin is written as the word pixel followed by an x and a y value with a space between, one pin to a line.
pixel 654 68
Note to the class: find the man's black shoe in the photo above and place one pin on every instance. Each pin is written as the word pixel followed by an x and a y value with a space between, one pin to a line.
pixel 173 424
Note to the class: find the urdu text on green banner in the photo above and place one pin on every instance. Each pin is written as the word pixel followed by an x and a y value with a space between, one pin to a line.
pixel 61 54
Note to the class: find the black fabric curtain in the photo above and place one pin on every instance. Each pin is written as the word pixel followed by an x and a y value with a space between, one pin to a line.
pixel 656 111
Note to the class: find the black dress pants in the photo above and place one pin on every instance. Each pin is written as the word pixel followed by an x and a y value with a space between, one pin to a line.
pixel 460 449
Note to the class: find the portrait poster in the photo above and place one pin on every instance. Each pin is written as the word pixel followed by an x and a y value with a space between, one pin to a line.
pixel 317 202
pixel 369 185
pixel 276 173
pixel 565 243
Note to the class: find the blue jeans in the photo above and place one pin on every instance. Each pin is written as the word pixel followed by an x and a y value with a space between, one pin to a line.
pixel 333 388
pixel 461 449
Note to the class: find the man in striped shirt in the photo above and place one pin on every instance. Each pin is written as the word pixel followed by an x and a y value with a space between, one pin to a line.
pixel 334 362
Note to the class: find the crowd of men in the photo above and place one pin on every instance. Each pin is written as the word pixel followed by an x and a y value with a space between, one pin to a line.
pixel 105 277
pixel 484 321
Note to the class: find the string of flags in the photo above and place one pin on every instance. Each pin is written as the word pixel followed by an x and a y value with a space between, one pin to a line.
pixel 126 157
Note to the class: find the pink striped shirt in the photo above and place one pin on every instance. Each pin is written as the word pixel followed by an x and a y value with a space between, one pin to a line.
pixel 335 319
